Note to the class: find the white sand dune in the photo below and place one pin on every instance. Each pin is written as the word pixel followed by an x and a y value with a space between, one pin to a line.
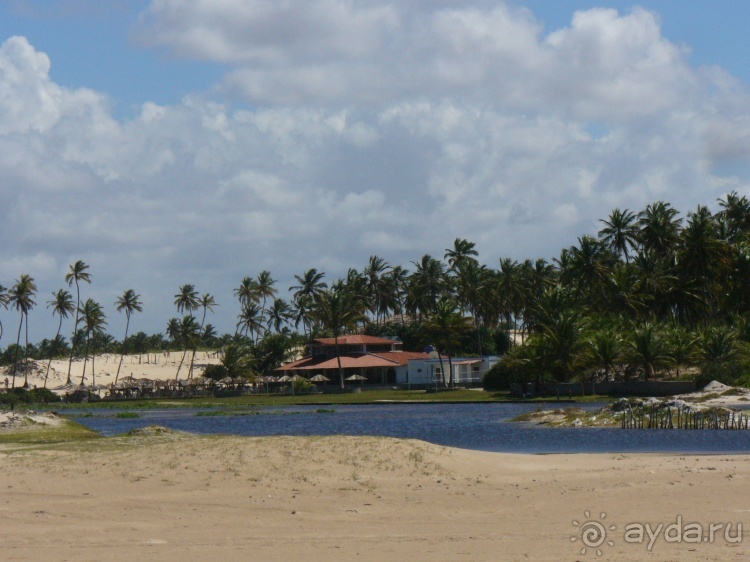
pixel 185 497
pixel 154 366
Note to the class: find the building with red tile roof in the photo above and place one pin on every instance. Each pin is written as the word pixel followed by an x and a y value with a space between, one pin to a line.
pixel 379 360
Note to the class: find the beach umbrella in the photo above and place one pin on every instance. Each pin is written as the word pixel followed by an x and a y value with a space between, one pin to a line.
pixel 356 378
pixel 285 378
pixel 320 378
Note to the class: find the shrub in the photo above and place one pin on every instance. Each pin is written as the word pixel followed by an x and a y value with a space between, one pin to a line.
pixel 501 376
pixel 215 372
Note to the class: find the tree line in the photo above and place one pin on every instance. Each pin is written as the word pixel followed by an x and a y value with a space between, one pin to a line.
pixel 652 294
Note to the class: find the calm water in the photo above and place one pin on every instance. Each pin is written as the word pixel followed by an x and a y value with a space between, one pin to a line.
pixel 471 426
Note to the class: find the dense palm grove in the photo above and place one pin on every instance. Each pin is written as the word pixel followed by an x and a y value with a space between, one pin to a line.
pixel 653 295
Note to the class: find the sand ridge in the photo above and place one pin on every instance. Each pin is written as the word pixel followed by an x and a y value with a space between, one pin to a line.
pixel 179 496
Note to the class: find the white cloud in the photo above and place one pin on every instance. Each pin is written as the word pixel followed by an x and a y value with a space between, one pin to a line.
pixel 369 128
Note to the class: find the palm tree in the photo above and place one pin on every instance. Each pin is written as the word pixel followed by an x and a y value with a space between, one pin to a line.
pixel 186 301
pixel 397 282
pixel 173 330
pixel 510 291
pixel 238 360
pixel 250 321
pixel 736 211
pixel 603 350
pixel 620 232
pixel 279 313
pixel 206 302
pixel 474 290
pixel 300 312
pixel 3 304
pixel 700 259
pixel 189 332
pixel 462 251
pixel 717 345
pixel 94 320
pixel 337 310
pixel 562 345
pixel 590 266
pixel 311 285
pixel 265 289
pixel 247 291
pixel 647 349
pixel 444 330
pixel 210 336
pixel 683 346
pixel 426 286
pixel 62 305
pixel 659 228
pixel 377 287
pixel 129 302
pixel 21 297
pixel 77 273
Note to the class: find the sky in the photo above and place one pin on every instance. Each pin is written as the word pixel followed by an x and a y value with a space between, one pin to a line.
pixel 167 142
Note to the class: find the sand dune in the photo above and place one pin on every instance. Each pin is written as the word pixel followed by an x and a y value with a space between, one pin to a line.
pixel 348 498
pixel 155 366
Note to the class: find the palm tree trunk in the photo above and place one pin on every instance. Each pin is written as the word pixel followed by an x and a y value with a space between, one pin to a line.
pixel 122 355
pixel 338 359
pixel 15 354
pixel 195 347
pixel 450 369
pixel 85 359
pixel 184 353
pixel 75 327
pixel 26 355
pixel 442 370
pixel 49 364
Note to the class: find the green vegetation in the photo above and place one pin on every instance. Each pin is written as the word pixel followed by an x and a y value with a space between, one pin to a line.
pixel 68 431
pixel 652 295
pixel 365 397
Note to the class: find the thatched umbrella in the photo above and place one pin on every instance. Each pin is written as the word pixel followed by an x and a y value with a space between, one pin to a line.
pixel 359 378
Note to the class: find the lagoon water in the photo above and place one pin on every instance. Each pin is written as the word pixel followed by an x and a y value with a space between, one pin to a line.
pixel 484 427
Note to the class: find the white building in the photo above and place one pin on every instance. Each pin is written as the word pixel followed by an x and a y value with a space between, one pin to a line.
pixel 467 371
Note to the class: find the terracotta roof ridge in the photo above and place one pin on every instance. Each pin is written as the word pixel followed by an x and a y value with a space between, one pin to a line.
pixel 381 357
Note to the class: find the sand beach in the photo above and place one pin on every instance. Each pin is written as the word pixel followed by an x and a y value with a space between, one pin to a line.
pixel 153 366
pixel 184 497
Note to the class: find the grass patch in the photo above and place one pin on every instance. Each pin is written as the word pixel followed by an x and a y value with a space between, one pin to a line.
pixel 322 399
pixel 707 397
pixel 735 392
pixel 127 415
pixel 569 417
pixel 41 434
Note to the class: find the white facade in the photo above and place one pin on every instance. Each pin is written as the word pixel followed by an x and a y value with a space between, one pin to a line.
pixel 466 371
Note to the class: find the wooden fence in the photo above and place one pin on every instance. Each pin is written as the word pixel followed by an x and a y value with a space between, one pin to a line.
pixel 654 417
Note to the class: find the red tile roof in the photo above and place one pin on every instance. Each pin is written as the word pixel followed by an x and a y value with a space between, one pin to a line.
pixel 402 357
pixel 356 339
pixel 347 362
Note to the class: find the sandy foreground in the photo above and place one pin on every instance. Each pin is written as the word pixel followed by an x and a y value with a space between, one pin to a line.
pixel 185 497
